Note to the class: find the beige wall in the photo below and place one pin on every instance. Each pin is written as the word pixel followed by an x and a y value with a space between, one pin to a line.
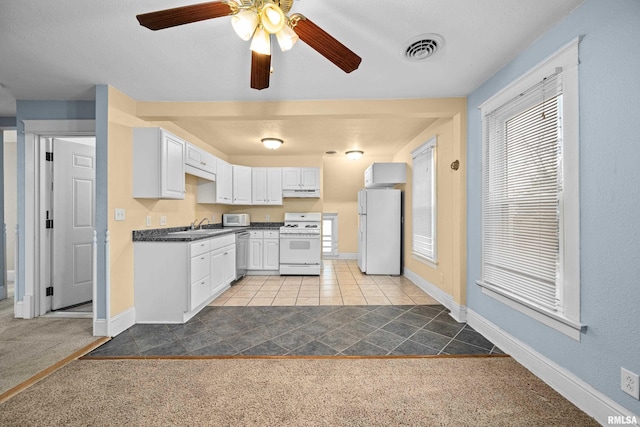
pixel 450 270
pixel 342 180
pixel 122 120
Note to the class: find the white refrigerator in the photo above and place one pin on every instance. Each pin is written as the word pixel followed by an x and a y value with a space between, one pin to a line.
pixel 380 231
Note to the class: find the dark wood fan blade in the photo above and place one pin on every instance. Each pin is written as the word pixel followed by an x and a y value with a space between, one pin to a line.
pixel 260 70
pixel 326 45
pixel 184 15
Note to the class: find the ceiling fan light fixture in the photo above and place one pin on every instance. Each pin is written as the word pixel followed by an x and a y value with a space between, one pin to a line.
pixel 286 38
pixel 354 154
pixel 244 23
pixel 272 143
pixel 272 18
pixel 261 42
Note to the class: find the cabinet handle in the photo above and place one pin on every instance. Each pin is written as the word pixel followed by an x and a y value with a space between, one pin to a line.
pixel 202 258
pixel 202 283
pixel 226 253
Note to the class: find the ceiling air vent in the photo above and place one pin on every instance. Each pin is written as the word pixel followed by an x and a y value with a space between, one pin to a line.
pixel 422 47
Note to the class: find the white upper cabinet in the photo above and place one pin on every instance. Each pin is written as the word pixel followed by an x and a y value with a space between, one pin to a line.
pixel 266 186
pixel 301 182
pixel 158 164
pixel 199 162
pixel 241 185
pixel 380 175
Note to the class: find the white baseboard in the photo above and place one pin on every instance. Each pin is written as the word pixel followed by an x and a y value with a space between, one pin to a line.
pixel 17 310
pixel 457 311
pixel 343 255
pixel 581 394
pixel 100 328
pixel 27 307
pixel 122 321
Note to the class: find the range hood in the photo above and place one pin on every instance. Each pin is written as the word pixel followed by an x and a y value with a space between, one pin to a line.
pixel 301 193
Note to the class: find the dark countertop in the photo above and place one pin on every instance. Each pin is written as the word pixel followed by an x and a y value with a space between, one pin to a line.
pixel 184 234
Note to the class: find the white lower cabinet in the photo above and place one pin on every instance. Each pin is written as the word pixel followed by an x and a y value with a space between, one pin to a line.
pixel 223 267
pixel 175 280
pixel 264 250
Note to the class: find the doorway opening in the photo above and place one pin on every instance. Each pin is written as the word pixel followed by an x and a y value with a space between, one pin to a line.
pixel 330 235
pixel 68 215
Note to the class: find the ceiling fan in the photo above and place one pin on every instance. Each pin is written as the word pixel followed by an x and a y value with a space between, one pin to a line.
pixel 258 20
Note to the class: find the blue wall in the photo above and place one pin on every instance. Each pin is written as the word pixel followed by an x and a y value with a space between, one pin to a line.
pixel 609 197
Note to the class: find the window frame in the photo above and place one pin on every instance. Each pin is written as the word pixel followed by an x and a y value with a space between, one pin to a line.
pixel 432 261
pixel 567 322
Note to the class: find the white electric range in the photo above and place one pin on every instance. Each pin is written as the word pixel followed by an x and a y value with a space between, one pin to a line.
pixel 301 244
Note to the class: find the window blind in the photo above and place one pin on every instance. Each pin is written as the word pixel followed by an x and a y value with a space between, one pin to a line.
pixel 522 186
pixel 423 200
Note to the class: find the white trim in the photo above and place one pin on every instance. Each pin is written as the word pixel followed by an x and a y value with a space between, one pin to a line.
pixel 18 309
pixel 565 326
pixel 344 255
pixel 424 260
pixel 11 275
pixel 595 403
pixel 120 322
pixel 567 59
pixel 457 312
pixel 27 307
pixel 100 328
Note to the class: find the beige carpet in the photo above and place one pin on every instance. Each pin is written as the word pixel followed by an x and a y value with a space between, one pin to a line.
pixel 28 347
pixel 293 392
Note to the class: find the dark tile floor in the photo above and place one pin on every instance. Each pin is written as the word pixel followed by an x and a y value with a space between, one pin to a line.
pixel 298 330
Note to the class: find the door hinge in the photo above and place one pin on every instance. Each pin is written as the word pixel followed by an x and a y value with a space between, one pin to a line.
pixel 49 291
pixel 49 223
pixel 48 156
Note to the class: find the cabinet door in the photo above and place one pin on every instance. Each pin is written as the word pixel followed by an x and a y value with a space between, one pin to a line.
pixel 274 186
pixel 172 175
pixel 290 178
pixel 230 264
pixel 255 254
pixel 271 254
pixel 224 182
pixel 310 178
pixel 208 162
pixel 218 273
pixel 193 156
pixel 241 185
pixel 259 189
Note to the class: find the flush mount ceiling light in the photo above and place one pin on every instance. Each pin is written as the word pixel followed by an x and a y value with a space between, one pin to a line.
pixel 257 20
pixel 354 154
pixel 272 143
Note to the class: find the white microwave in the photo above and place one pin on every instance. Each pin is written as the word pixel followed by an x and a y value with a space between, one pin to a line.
pixel 235 220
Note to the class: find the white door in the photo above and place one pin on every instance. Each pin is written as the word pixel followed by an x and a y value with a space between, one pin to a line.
pixel 271 254
pixel 73 218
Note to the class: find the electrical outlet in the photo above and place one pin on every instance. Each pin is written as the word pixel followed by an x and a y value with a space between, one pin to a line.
pixel 267 217
pixel 148 221
pixel 163 220
pixel 630 383
pixel 213 218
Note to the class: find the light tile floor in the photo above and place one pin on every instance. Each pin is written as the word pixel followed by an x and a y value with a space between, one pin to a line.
pixel 340 283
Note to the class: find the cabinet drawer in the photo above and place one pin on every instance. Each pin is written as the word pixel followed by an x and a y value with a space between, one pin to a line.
pixel 256 234
pixel 200 291
pixel 200 247
pixel 271 234
pixel 200 266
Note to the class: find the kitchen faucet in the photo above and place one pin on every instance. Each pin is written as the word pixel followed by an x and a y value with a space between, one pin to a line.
pixel 199 226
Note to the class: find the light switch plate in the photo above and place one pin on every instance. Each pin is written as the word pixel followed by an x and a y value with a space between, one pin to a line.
pixel 119 215
pixel 163 220
pixel 148 221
